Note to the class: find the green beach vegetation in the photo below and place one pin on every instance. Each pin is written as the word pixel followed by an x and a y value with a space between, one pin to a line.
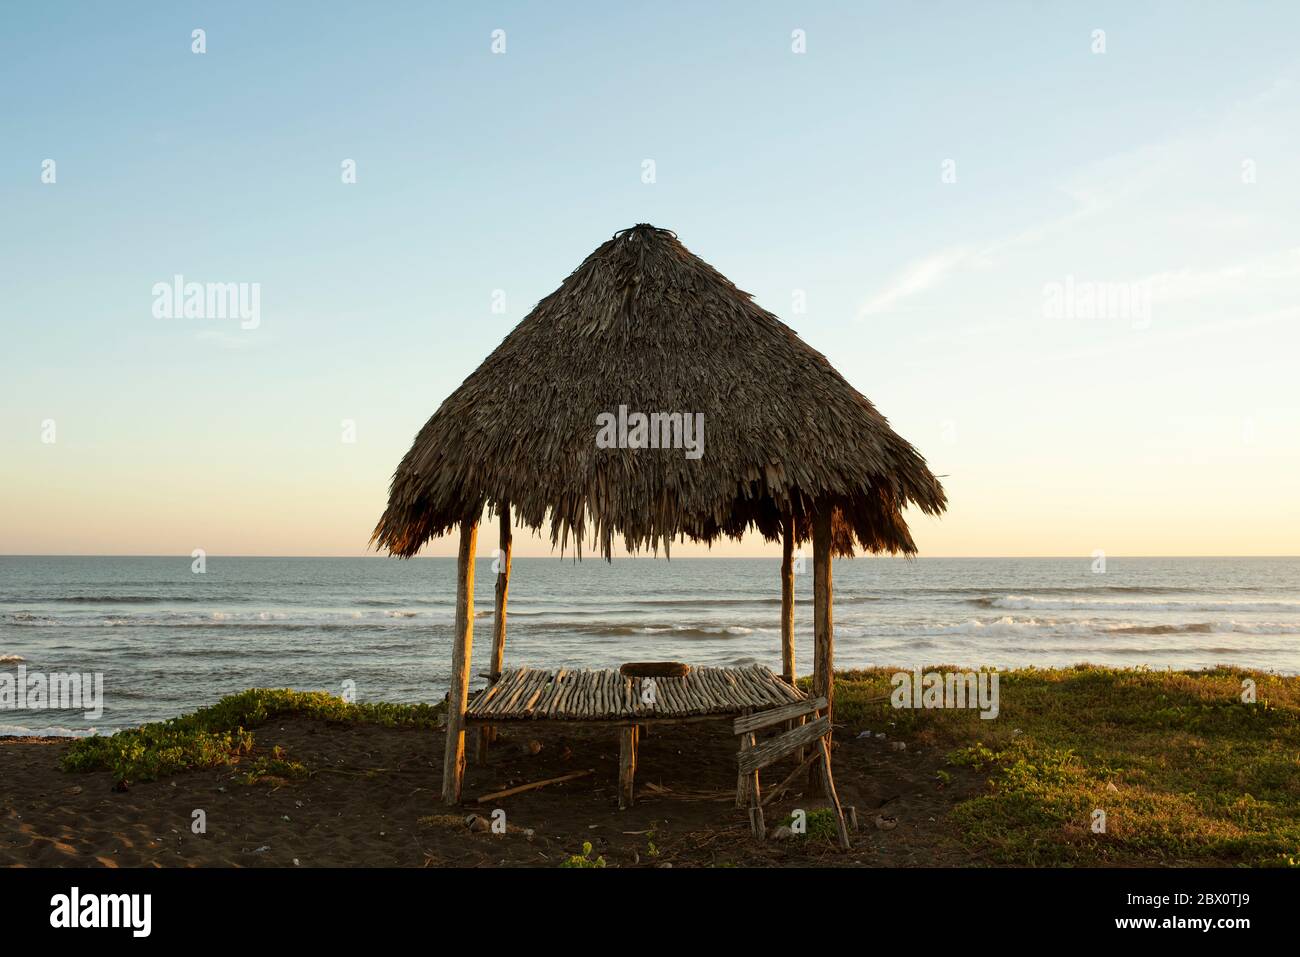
pixel 1185 771
pixel 220 734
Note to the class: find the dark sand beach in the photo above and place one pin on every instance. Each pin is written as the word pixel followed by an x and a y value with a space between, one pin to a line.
pixel 373 802
pixel 1188 773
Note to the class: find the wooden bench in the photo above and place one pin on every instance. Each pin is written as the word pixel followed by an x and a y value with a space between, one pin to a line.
pixel 807 729
pixel 603 697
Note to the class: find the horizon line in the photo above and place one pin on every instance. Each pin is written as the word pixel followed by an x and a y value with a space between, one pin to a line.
pixel 598 557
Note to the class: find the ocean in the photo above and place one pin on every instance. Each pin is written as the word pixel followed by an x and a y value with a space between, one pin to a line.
pixel 168 640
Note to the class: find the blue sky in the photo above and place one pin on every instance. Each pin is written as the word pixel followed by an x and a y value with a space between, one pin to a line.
pixel 817 174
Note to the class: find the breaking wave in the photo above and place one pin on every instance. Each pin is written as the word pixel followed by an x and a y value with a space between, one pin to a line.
pixel 1029 602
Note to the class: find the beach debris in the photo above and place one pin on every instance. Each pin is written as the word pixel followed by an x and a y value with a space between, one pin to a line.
pixel 535 784
pixel 529 833
pixel 885 823
pixel 295 862
pixel 880 736
pixel 898 745
pixel 864 734
pixel 534 746
pixel 477 824
pixel 262 850
pixel 782 833
pixel 660 791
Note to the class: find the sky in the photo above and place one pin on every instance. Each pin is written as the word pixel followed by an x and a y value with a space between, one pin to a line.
pixel 1056 244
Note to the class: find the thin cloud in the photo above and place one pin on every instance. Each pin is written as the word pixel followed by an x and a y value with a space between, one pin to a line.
pixel 915 279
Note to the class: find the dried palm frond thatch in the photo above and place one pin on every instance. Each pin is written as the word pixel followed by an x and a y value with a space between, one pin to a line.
pixel 646 324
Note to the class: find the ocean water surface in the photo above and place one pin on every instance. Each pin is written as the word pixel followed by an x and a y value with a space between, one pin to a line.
pixel 167 640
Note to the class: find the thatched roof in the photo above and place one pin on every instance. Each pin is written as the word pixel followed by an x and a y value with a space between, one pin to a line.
pixel 644 323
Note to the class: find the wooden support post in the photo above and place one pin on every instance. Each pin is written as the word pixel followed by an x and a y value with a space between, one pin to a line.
pixel 627 765
pixel 823 624
pixel 756 823
pixel 503 590
pixel 488 732
pixel 453 764
pixel 748 794
pixel 787 599
pixel 823 627
pixel 828 785
pixel 742 779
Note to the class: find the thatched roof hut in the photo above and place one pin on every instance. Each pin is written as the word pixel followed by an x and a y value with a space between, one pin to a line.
pixel 644 325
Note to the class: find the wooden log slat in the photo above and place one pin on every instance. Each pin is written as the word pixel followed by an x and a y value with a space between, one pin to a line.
pixel 667 689
pixel 525 689
pixel 502 687
pixel 509 695
pixel 785 712
pixel 535 692
pixel 773 749
pixel 567 685
pixel 492 698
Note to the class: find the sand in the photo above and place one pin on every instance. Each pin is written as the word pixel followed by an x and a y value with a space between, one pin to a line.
pixel 372 799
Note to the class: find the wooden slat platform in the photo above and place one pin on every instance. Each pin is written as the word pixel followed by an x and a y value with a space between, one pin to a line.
pixel 524 694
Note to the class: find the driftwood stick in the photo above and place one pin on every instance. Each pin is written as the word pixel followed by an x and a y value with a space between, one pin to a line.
pixel 785 785
pixel 534 785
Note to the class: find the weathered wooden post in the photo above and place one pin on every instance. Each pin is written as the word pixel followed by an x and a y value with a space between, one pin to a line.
pixel 503 591
pixel 787 599
pixel 629 737
pixel 823 624
pixel 488 732
pixel 453 765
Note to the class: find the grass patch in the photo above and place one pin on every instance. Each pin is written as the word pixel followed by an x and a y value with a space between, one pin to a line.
pixel 821 826
pixel 221 733
pixel 1185 772
pixel 275 768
